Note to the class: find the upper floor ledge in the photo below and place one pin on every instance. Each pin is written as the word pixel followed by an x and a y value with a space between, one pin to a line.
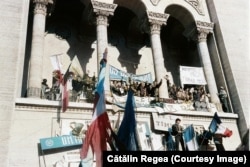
pixel 44 105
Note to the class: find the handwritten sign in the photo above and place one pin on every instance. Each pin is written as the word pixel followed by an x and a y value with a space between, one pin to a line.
pixel 192 75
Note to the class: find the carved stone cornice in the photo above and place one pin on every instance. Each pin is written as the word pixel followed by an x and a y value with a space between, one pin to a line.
pixel 104 9
pixel 100 11
pixel 41 6
pixel 157 18
pixel 153 21
pixel 203 29
pixel 197 5
pixel 199 31
pixel 207 25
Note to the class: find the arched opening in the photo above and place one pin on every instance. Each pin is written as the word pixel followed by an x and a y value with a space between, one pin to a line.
pixel 177 48
pixel 62 35
pixel 125 35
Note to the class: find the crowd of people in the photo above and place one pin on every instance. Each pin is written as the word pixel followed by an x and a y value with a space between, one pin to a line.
pixel 177 93
pixel 205 140
pixel 85 86
pixel 140 89
pixel 195 94
pixel 76 85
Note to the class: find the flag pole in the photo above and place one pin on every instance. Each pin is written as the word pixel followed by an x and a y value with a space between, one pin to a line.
pixel 203 139
pixel 209 128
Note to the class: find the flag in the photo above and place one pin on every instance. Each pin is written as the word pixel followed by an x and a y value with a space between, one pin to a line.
pixel 224 131
pixel 190 138
pixel 214 123
pixel 217 127
pixel 97 134
pixel 55 61
pixel 127 130
pixel 57 65
pixel 65 92
pixel 170 141
pixel 76 67
pixel 88 160
pixel 116 143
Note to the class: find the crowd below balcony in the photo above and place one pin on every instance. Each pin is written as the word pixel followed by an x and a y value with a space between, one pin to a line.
pixel 85 87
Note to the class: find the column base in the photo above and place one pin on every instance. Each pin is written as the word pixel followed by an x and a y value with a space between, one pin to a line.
pixel 33 92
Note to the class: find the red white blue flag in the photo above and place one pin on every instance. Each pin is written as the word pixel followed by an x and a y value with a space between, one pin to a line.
pixel 97 134
pixel 214 123
pixel 217 127
pixel 224 131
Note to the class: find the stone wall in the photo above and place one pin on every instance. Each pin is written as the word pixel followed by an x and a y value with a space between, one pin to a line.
pixel 38 119
pixel 232 37
pixel 13 18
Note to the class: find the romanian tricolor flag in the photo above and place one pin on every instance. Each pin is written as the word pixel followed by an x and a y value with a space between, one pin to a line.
pixel 224 131
pixel 217 127
pixel 97 134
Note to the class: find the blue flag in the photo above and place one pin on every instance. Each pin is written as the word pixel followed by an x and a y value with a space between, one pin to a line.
pixel 214 123
pixel 190 138
pixel 170 141
pixel 127 130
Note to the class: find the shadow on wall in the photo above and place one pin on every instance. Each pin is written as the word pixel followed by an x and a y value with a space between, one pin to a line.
pixel 124 33
pixel 244 146
pixel 65 23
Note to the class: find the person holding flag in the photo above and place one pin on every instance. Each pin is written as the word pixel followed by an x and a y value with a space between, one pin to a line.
pixel 216 127
pixel 60 81
pixel 217 130
pixel 177 131
pixel 190 138
pixel 97 134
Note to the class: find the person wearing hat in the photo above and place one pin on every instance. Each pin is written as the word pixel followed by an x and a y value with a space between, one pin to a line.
pixel 223 99
pixel 177 131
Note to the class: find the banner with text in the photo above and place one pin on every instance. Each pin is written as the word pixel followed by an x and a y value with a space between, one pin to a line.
pixel 192 75
pixel 116 74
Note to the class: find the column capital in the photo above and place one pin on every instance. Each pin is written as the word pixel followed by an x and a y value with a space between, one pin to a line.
pixel 102 20
pixel 41 6
pixel 199 31
pixel 104 9
pixel 153 21
pixel 157 18
pixel 203 29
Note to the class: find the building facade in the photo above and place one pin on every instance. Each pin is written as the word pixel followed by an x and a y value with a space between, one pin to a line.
pixel 142 36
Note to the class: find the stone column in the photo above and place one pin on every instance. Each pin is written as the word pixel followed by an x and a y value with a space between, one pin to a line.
pixel 102 11
pixel 37 49
pixel 203 29
pixel 156 20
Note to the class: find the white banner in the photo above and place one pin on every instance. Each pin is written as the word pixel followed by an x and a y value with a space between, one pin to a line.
pixel 116 74
pixel 192 75
pixel 76 67
pixel 56 61
pixel 139 101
